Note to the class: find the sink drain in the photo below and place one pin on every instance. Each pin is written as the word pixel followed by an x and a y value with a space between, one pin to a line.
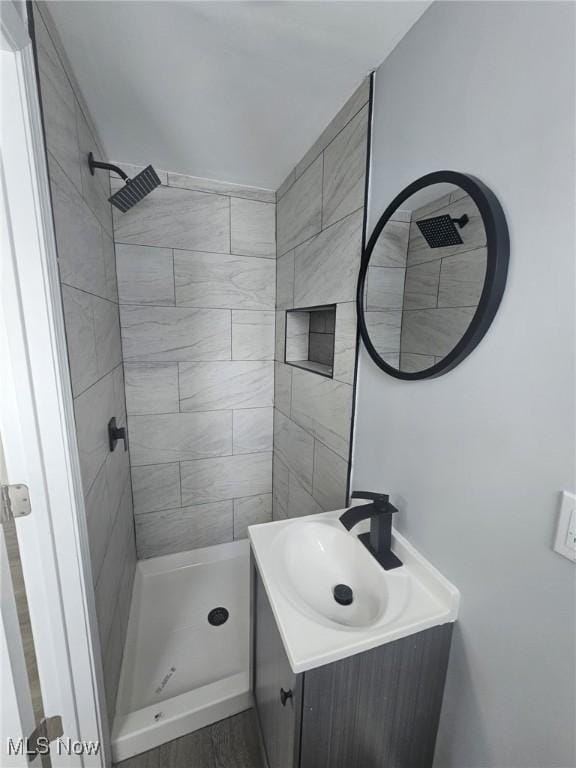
pixel 218 616
pixel 343 594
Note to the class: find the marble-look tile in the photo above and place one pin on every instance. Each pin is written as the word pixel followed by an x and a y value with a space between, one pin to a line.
pixel 354 104
pixel 229 477
pixel 151 388
pixel 221 187
pixel 410 363
pixel 345 170
pixel 177 218
pixel 457 194
pixel 384 329
pixel 224 281
pixel 117 468
pixel 286 184
pixel 299 212
pixel 58 105
pixel 326 267
pixel 323 320
pixel 321 348
pixel 285 281
pixel 50 63
pixel 294 446
pixel 253 228
pixel 430 208
pixel 391 249
pixel 145 275
pixel 93 409
pixel 384 288
pixel 80 338
pixel 252 430
pixel 280 334
pixel 323 407
pixel 401 215
pixel 300 502
pixel 230 384
pixel 109 257
pixel 473 234
pixel 297 331
pixel 177 530
pixel 280 475
pixel 175 334
pixel 112 664
pixel 107 332
pixel 421 285
pixel 165 438
pixel 277 512
pixel 252 510
pixel 95 188
pixel 78 237
pixel 345 343
pixel 98 521
pixel 462 279
pixel 156 487
pixel 434 331
pixel 330 478
pixel 253 334
pixel 111 573
pixel 282 387
pixel 124 590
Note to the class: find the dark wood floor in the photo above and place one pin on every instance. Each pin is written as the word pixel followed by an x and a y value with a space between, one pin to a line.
pixel 231 743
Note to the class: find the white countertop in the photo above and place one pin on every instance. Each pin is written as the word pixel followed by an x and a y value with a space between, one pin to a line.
pixel 427 599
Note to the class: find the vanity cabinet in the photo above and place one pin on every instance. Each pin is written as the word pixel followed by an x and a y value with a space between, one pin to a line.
pixel 376 709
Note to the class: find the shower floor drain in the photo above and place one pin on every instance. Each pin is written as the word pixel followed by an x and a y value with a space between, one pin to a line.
pixel 218 616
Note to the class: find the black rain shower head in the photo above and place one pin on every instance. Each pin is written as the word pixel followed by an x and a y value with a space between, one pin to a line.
pixel 440 231
pixel 134 190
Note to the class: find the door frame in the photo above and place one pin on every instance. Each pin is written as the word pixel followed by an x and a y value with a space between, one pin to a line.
pixel 37 415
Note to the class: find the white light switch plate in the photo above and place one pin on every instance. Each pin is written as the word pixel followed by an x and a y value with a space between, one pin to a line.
pixel 565 543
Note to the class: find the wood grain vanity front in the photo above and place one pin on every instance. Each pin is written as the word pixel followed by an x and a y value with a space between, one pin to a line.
pixel 379 708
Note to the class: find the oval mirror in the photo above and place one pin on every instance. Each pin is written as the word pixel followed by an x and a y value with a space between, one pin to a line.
pixel 432 275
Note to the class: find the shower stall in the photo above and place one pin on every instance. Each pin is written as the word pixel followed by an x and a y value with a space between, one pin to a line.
pixel 176 339
pixel 169 307
pixel 196 293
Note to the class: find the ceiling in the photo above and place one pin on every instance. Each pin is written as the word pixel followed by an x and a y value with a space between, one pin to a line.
pixel 235 91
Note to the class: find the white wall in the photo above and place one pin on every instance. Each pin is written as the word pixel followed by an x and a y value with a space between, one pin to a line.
pixel 475 459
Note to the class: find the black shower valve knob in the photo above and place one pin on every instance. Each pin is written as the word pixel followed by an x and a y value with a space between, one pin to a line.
pixel 116 433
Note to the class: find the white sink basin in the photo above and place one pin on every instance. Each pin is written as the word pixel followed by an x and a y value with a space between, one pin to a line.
pixel 313 557
pixel 300 561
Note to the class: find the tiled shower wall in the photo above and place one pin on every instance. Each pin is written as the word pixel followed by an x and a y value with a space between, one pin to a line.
pixel 196 281
pixel 83 224
pixel 319 239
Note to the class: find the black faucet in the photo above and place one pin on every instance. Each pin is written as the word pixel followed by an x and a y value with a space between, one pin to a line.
pixel 379 540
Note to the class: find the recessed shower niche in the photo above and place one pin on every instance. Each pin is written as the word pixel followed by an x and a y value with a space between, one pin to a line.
pixel 309 339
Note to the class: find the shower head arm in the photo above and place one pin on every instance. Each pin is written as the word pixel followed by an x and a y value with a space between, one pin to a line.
pixel 93 164
pixel 462 221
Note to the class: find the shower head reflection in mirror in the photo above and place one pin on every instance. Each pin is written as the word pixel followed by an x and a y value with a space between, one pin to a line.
pixel 432 275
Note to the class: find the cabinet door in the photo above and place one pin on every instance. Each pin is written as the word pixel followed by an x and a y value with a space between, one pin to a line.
pixel 279 722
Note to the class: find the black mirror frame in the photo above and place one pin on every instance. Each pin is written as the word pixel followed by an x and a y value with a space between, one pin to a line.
pixel 498 254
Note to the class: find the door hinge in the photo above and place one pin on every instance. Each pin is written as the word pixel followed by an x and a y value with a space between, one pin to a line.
pixel 48 730
pixel 14 502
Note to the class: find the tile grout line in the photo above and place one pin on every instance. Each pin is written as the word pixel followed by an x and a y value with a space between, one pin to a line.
pixel 296 178
pixel 317 234
pixel 198 250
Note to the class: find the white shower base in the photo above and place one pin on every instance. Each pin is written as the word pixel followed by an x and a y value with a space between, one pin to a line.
pixel 180 673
